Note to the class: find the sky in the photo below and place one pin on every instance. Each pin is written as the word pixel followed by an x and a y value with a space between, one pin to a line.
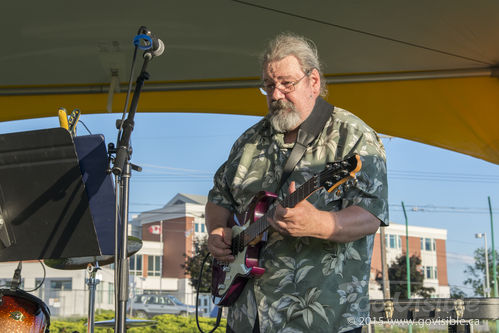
pixel 180 152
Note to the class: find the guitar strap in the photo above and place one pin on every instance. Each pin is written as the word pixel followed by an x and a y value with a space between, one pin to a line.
pixel 308 131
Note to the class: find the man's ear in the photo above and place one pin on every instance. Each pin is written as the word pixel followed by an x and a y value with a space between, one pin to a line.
pixel 315 79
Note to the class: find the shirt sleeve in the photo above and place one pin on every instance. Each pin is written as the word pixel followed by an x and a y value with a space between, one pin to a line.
pixel 371 187
pixel 220 194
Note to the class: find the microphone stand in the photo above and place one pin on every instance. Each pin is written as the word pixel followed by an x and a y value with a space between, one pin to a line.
pixel 122 171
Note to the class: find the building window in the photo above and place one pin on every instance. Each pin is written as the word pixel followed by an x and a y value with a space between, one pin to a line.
pixel 136 265
pixel 393 241
pixel 196 227
pixel 110 293
pixel 61 284
pixel 202 227
pixel 428 244
pixel 5 283
pixel 153 265
pixel 430 272
pixel 100 292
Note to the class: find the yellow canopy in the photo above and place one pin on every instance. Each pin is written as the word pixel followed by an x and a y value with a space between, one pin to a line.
pixel 430 64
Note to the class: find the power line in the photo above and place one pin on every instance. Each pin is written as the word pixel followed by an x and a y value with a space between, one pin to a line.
pixel 442 177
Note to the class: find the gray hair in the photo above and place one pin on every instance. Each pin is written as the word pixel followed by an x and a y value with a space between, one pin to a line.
pixel 304 49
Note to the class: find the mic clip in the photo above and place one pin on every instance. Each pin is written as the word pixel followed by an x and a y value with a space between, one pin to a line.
pixel 16 279
pixel 147 41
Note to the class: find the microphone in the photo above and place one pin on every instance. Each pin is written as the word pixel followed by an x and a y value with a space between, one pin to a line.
pixel 153 46
pixel 158 47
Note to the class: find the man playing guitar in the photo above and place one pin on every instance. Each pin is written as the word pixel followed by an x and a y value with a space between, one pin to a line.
pixel 316 257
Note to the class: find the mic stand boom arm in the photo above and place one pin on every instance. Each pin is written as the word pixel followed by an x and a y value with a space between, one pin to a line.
pixel 122 172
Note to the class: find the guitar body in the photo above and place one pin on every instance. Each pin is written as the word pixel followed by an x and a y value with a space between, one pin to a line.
pixel 229 279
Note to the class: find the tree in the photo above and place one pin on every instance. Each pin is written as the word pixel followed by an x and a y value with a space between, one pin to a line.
pixel 455 292
pixel 192 265
pixel 476 272
pixel 397 274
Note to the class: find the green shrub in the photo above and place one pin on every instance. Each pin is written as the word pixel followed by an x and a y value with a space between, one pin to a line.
pixel 165 323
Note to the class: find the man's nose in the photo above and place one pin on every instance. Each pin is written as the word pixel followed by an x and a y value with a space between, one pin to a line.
pixel 277 94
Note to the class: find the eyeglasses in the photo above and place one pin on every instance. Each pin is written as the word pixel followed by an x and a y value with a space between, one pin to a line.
pixel 286 86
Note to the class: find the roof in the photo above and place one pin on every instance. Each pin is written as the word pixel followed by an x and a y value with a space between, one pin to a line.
pixel 176 207
pixel 183 198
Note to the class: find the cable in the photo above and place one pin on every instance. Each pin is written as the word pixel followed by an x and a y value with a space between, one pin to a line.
pixel 81 122
pixel 361 32
pixel 43 280
pixel 198 287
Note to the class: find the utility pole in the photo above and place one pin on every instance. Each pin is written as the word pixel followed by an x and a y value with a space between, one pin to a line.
pixel 161 258
pixel 407 259
pixel 494 265
pixel 486 289
pixel 384 264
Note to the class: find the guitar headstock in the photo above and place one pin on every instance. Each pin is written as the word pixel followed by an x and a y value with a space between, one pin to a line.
pixel 336 173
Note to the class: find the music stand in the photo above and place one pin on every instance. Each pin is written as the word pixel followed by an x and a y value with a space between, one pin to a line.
pixel 44 204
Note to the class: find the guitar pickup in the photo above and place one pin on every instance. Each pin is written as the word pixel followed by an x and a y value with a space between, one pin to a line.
pixel 226 269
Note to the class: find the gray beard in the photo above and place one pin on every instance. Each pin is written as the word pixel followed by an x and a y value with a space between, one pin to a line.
pixel 283 116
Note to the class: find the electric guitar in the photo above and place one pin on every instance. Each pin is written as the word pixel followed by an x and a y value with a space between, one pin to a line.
pixel 229 279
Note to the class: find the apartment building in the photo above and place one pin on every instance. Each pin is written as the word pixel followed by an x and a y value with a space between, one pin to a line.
pixel 426 243
pixel 168 236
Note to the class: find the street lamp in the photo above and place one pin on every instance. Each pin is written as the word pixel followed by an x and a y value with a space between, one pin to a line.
pixel 487 286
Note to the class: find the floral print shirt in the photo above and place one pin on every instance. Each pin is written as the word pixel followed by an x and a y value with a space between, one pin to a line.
pixel 309 284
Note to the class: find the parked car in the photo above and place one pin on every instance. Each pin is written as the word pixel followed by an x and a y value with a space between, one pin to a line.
pixel 147 306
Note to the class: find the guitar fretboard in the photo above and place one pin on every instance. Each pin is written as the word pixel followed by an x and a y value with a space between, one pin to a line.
pixel 261 225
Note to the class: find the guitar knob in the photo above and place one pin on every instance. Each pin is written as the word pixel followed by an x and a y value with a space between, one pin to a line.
pixel 221 286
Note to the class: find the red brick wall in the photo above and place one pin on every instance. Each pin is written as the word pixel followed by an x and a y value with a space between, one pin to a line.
pixel 146 234
pixel 414 246
pixel 441 263
pixel 177 240
pixel 376 258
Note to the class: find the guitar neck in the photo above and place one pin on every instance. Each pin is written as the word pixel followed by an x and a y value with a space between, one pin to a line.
pixel 261 225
